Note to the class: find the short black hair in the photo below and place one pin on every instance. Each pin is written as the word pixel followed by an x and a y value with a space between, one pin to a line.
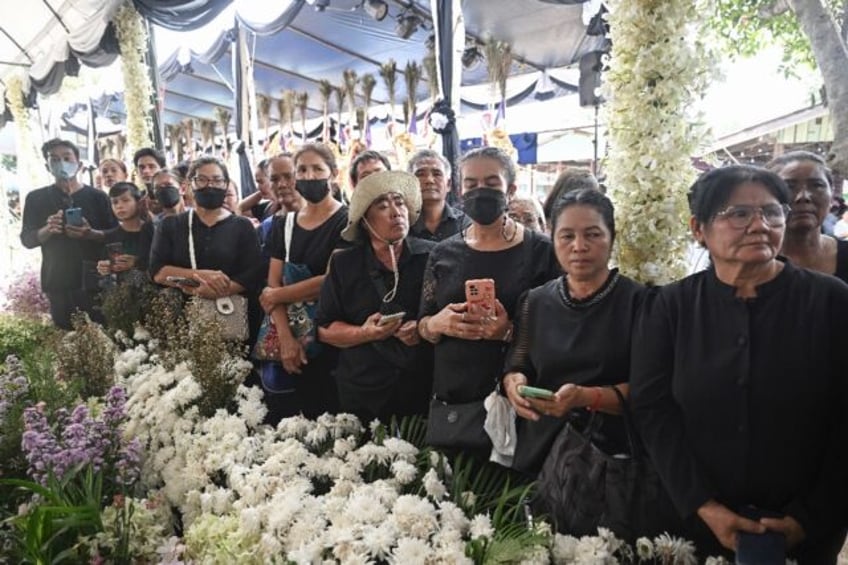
pixel 208 160
pixel 711 192
pixel 181 168
pixel 497 154
pixel 799 156
pixel 368 155
pixel 571 179
pixel 149 152
pixel 120 188
pixel 52 144
pixel 586 197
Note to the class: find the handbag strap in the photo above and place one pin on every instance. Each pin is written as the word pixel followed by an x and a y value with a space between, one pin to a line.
pixel 191 241
pixel 287 232
pixel 629 428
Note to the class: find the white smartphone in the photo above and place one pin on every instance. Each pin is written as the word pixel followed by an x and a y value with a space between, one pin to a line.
pixel 389 318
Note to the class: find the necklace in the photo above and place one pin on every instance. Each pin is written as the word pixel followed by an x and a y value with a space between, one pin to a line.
pixel 592 299
pixel 506 219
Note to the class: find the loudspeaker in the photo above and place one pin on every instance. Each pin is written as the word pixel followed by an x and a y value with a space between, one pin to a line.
pixel 590 78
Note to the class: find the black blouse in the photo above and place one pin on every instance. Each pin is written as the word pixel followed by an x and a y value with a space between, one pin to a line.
pixel 587 344
pixel 468 370
pixel 745 400
pixel 368 374
pixel 229 246
pixel 310 247
pixel 841 260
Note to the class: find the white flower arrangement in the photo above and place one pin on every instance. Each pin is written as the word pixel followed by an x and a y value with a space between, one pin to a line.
pixel 314 491
pixel 28 157
pixel 138 90
pixel 652 88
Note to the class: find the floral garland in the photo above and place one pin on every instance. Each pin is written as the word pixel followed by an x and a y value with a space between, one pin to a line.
pixel 138 91
pixel 659 69
pixel 28 159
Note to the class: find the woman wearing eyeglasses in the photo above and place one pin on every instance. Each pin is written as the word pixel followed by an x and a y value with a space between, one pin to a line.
pixel 737 382
pixel 811 185
pixel 226 246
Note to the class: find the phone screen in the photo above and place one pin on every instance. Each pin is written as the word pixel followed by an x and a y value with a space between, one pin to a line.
pixel 73 217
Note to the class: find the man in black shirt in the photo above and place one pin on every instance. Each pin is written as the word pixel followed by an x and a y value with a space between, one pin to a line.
pixel 438 220
pixel 65 247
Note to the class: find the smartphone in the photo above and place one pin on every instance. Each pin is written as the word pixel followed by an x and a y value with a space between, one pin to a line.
pixel 387 319
pixel 754 549
pixel 73 217
pixel 183 281
pixel 533 392
pixel 114 250
pixel 480 296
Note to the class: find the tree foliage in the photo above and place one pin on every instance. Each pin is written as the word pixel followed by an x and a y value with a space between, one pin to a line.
pixel 747 26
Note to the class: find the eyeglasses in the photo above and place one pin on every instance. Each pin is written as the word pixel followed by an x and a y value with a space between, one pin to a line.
pixel 215 182
pixel 740 217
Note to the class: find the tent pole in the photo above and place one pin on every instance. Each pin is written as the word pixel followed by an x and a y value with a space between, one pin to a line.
pixel 153 71
pixel 595 141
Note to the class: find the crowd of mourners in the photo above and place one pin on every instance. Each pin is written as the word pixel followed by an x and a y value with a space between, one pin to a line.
pixel 733 378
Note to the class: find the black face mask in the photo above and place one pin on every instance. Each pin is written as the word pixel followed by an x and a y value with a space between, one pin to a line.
pixel 168 196
pixel 484 205
pixel 210 198
pixel 313 190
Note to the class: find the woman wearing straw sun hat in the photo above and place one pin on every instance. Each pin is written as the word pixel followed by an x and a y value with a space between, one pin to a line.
pixel 369 302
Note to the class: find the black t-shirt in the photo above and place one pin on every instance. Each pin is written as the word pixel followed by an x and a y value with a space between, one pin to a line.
pixel 468 370
pixel 586 344
pixel 229 246
pixel 310 247
pixel 369 374
pixel 134 243
pixel 61 256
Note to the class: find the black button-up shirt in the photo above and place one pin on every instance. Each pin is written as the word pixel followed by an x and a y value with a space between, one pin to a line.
pixel 453 221
pixel 378 379
pixel 61 256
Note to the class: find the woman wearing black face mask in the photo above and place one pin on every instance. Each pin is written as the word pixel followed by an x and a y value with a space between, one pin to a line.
pixel 226 247
pixel 315 233
pixel 470 347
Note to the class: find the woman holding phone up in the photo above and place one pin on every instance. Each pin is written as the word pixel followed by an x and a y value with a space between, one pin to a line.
pixel 470 346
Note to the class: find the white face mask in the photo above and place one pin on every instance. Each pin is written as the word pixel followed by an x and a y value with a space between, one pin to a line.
pixel 64 170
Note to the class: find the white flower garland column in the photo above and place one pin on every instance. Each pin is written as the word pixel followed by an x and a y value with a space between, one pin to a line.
pixel 30 169
pixel 138 92
pixel 659 69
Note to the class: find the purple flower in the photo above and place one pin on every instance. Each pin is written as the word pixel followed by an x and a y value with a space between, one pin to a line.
pixel 80 439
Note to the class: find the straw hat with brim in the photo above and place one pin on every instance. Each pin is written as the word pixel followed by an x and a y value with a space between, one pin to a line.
pixel 373 187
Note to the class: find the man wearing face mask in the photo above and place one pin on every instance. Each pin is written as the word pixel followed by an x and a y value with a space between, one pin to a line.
pixel 66 219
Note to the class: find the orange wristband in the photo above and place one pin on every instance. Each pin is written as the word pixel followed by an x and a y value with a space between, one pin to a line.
pixel 596 402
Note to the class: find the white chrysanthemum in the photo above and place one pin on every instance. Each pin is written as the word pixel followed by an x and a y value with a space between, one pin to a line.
pixel 379 540
pixel 364 509
pixel 644 549
pixel 452 517
pixel 433 486
pixel 591 549
pixel 480 527
pixel 411 551
pixel 674 550
pixel 251 520
pixel 401 449
pixel 414 516
pixel 404 472
pixel 723 561
pixel 468 498
pixel 343 446
pixel 564 548
pixel 537 555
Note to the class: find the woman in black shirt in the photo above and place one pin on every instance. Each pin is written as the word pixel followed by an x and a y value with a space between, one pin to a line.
pixel 811 184
pixel 470 347
pixel 738 380
pixel 383 368
pixel 315 235
pixel 573 334
pixel 226 246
